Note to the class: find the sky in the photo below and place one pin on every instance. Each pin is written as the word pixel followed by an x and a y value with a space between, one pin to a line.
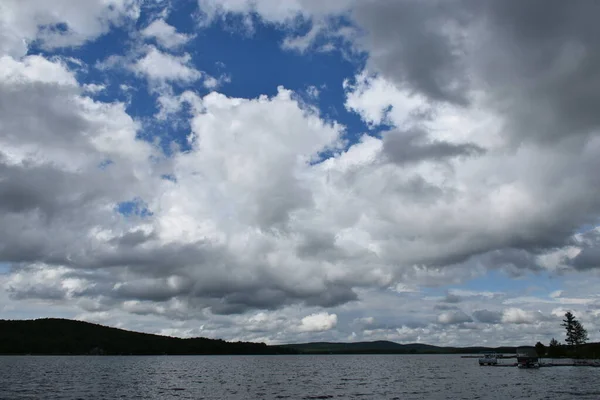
pixel 302 170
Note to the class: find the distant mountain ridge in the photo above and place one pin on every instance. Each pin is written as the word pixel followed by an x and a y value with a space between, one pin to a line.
pixel 387 347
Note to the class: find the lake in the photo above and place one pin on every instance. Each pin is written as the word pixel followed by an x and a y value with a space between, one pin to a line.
pixel 285 377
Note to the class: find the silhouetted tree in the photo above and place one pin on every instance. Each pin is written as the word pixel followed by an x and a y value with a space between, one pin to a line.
pixel 540 349
pixel 569 325
pixel 575 332
pixel 554 349
pixel 580 335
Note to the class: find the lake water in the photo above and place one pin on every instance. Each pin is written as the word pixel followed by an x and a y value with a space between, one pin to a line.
pixel 286 377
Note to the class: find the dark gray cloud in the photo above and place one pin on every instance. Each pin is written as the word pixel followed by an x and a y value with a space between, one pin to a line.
pixel 334 295
pixel 408 147
pixel 445 307
pixel 242 301
pixel 408 42
pixel 588 258
pixel 486 316
pixel 134 238
pixel 36 292
pixel 513 261
pixel 416 188
pixel 153 289
pixel 57 123
pixel 542 65
pixel 49 190
pixel 452 298
pixel 317 244
pixel 282 196
pixel 268 296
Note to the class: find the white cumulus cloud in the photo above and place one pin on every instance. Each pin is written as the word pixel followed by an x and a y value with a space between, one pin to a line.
pixel 318 322
pixel 166 35
pixel 159 66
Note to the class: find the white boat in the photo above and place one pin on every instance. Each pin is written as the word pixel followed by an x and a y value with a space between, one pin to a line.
pixel 488 359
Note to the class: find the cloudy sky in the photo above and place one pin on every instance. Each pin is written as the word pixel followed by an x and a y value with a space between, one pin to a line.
pixel 302 170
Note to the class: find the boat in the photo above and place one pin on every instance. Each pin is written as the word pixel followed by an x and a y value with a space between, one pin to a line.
pixel 488 358
pixel 527 357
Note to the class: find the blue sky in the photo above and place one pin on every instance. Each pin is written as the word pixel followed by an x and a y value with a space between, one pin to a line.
pixel 297 171
pixel 254 61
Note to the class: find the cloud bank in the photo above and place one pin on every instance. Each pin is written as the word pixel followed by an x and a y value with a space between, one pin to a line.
pixel 477 156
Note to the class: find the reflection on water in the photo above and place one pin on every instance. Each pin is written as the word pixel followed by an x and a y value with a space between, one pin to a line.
pixel 286 377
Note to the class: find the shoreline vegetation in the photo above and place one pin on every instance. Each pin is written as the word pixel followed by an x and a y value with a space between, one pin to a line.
pixel 52 336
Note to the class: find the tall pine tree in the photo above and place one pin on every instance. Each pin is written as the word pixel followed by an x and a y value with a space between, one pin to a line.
pixel 576 334
pixel 569 324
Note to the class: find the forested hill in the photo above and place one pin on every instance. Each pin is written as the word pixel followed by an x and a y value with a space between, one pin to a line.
pixel 386 347
pixel 63 336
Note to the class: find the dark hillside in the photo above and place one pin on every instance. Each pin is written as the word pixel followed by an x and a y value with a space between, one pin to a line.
pixel 63 336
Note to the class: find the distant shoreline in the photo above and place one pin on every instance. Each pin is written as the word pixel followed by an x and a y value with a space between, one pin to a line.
pixel 64 337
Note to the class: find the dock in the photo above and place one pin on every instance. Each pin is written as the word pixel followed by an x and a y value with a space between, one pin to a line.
pixel 527 357
pixel 595 364
pixel 570 365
